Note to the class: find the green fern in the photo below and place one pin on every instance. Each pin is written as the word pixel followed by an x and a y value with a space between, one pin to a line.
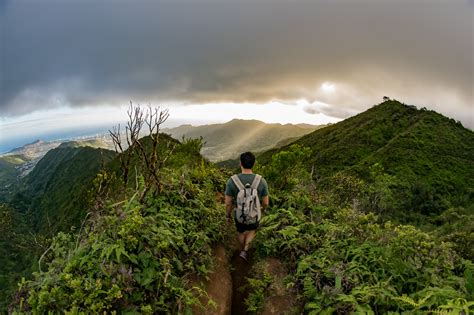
pixel 410 301
pixel 456 306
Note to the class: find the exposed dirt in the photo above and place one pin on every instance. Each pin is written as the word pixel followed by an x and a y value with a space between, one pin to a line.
pixel 227 285
pixel 240 271
pixel 218 286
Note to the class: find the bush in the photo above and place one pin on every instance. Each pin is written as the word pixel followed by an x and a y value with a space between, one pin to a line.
pixel 347 261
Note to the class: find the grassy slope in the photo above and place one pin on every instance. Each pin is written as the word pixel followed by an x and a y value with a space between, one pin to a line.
pixel 56 190
pixel 422 149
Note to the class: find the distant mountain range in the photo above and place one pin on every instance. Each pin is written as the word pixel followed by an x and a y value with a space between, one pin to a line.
pixel 222 142
pixel 226 141
pixel 34 150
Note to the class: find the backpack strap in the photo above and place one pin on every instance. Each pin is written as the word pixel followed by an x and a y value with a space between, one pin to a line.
pixel 256 181
pixel 237 182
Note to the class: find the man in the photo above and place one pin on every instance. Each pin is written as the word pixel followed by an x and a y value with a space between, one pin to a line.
pixel 246 194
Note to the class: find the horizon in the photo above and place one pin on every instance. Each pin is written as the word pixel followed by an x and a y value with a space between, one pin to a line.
pixel 91 132
pixel 73 134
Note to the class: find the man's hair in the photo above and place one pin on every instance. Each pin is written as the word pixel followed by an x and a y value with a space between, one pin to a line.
pixel 247 159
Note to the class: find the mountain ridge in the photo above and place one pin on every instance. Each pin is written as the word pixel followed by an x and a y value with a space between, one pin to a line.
pixel 227 140
pixel 409 143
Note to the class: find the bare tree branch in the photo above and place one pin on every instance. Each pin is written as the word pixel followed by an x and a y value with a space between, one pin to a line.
pixel 153 118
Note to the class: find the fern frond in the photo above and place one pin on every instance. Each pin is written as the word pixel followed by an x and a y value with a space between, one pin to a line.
pixel 410 301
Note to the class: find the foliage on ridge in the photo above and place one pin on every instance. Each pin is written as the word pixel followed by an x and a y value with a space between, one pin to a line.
pixel 429 156
pixel 132 255
pixel 343 258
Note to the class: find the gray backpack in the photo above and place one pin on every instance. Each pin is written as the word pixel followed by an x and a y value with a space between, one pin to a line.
pixel 247 209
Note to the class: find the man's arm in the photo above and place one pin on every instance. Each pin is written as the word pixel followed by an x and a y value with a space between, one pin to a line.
pixel 265 202
pixel 265 199
pixel 228 206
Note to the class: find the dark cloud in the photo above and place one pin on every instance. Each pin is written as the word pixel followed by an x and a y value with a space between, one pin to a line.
pixel 95 52
pixel 310 109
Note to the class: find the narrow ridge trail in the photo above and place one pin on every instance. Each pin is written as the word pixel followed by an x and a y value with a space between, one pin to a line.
pixel 226 284
pixel 240 271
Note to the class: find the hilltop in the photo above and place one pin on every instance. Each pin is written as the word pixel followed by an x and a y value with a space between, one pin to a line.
pixel 34 150
pixel 430 156
pixel 226 141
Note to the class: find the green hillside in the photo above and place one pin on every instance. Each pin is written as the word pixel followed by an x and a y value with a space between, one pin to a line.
pixel 9 173
pixel 227 141
pixel 55 192
pixel 51 198
pixel 167 237
pixel 338 197
pixel 429 156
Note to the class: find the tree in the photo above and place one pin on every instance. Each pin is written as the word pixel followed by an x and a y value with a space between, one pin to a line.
pixel 138 117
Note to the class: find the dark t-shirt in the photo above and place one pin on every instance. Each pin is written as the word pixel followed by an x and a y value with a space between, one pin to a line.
pixel 232 190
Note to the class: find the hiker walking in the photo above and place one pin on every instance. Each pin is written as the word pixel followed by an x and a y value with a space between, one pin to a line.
pixel 246 194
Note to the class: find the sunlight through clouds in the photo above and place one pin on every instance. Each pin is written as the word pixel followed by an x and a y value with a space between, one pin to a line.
pixel 272 112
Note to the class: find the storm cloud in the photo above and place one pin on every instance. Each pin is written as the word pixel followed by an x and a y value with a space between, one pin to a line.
pixel 77 53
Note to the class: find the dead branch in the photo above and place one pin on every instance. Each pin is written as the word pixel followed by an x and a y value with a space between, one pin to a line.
pixel 152 118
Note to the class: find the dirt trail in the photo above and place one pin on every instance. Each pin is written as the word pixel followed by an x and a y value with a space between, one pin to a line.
pixel 240 272
pixel 227 285
pixel 218 286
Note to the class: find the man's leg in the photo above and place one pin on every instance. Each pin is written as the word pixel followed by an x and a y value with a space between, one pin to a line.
pixel 241 238
pixel 248 238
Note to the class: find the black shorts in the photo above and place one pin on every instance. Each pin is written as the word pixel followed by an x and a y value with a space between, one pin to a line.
pixel 245 227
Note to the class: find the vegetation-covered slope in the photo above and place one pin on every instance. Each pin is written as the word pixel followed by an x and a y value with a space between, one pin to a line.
pixel 55 192
pixel 18 162
pixel 9 173
pixel 140 256
pixel 52 198
pixel 18 252
pixel 137 254
pixel 343 258
pixel 430 157
pixel 227 141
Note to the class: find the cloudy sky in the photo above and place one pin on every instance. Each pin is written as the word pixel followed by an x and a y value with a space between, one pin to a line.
pixel 71 62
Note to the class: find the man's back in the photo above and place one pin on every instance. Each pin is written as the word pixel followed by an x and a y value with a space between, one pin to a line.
pixel 232 190
pixel 249 207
